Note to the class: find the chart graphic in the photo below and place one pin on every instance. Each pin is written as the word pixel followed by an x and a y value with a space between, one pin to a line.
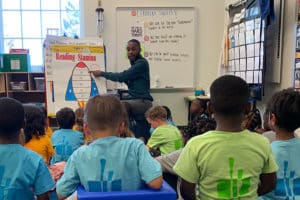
pixel 81 85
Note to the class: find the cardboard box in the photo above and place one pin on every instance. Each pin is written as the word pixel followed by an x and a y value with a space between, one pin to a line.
pixel 16 62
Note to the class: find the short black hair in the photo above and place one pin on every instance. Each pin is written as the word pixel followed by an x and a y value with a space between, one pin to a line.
pixel 35 121
pixel 254 120
pixel 285 105
pixel 11 117
pixel 135 41
pixel 229 95
pixel 199 125
pixel 65 118
pixel 203 103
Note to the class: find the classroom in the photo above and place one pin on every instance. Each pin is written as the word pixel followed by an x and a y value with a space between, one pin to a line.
pixel 59 54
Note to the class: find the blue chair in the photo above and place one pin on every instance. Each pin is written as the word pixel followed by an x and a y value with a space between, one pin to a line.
pixel 165 193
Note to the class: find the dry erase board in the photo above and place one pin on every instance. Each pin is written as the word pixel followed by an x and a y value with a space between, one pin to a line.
pixel 167 36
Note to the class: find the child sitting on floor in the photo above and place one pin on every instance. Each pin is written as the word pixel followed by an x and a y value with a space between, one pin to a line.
pixel 65 140
pixel 230 162
pixel 109 163
pixel 284 115
pixel 35 137
pixel 167 138
pixel 169 118
pixel 23 173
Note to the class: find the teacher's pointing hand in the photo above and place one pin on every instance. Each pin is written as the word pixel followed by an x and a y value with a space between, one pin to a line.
pixel 96 73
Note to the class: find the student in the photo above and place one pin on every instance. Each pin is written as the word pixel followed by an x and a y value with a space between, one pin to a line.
pixel 78 126
pixel 48 129
pixel 228 163
pixel 113 163
pixel 125 131
pixel 199 114
pixel 23 173
pixel 284 116
pixel 169 118
pixel 65 140
pixel 266 130
pixel 168 161
pixel 198 108
pixel 166 138
pixel 252 121
pixel 35 137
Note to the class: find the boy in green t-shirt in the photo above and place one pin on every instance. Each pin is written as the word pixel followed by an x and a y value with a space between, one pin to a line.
pixel 228 163
pixel 166 137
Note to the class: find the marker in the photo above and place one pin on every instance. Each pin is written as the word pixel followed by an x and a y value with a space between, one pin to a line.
pixel 169 87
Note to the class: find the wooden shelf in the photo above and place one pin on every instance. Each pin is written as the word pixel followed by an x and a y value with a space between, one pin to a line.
pixel 29 94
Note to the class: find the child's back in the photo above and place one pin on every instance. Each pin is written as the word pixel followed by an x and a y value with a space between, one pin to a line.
pixel 228 163
pixel 65 140
pixel 284 109
pixel 165 137
pixel 109 163
pixel 23 173
pixel 118 163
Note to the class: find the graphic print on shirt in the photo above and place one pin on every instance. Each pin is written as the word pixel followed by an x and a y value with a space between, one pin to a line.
pixel 81 85
pixel 106 182
pixel 64 149
pixel 6 193
pixel 234 187
pixel 288 186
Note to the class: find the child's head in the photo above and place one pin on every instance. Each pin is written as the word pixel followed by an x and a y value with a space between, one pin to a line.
pixel 229 96
pixel 11 118
pixel 35 122
pixel 65 118
pixel 155 115
pixel 79 113
pixel 198 127
pixel 284 108
pixel 104 113
pixel 198 106
pixel 252 121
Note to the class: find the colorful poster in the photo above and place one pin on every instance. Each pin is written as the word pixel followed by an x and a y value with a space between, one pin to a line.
pixel 68 63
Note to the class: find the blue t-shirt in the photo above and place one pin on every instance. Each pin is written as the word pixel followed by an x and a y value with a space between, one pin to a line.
pixel 23 173
pixel 65 142
pixel 287 156
pixel 109 164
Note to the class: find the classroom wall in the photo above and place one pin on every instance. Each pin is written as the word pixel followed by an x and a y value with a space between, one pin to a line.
pixel 208 44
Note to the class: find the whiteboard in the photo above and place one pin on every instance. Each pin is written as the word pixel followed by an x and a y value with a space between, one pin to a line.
pixel 67 65
pixel 167 36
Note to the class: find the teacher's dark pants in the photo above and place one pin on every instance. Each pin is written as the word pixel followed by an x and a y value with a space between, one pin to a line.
pixel 136 109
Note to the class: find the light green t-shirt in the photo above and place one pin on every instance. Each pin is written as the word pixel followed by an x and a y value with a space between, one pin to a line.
pixel 168 138
pixel 226 165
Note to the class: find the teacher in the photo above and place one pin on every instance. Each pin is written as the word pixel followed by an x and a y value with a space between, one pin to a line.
pixel 136 77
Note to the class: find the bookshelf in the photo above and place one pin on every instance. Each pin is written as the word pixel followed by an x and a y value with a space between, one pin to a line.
pixel 22 86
